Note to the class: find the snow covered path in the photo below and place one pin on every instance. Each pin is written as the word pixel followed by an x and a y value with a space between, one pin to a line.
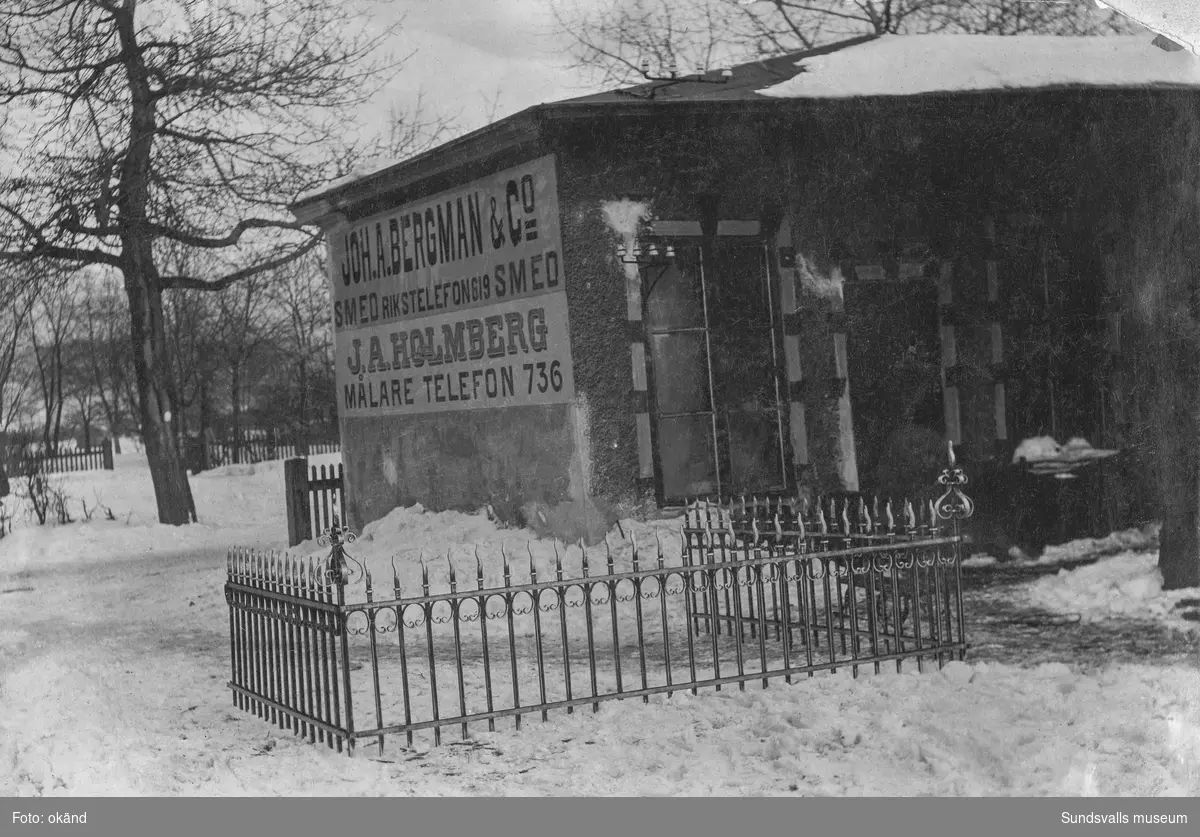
pixel 1003 626
pixel 114 657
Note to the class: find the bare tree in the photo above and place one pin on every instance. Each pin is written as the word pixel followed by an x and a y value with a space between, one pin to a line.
pixel 247 327
pixel 415 129
pixel 56 316
pixel 193 335
pixel 17 298
pixel 302 294
pixel 108 361
pixel 615 38
pixel 134 124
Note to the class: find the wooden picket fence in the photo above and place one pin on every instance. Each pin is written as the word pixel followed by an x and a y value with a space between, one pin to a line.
pixel 315 495
pixel 98 458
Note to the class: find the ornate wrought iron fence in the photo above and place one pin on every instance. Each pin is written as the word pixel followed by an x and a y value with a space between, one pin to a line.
pixel 749 600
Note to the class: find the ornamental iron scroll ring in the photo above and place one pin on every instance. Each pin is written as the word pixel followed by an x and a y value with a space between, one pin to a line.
pixel 494 613
pixel 546 604
pixel 519 611
pixel 383 626
pixel 465 613
pixel 811 569
pixel 451 615
pixel 947 557
pixel 366 618
pixel 409 622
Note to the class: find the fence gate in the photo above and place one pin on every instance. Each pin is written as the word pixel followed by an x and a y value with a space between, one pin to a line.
pixel 763 589
pixel 315 496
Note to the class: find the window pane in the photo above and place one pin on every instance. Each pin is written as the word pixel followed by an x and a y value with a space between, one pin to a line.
pixel 686 454
pixel 680 373
pixel 740 322
pixel 754 458
pixel 673 293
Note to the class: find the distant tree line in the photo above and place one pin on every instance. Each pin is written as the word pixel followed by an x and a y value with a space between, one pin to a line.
pixel 257 354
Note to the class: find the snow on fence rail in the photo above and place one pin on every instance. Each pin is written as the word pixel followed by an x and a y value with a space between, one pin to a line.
pixel 755 596
pixel 20 461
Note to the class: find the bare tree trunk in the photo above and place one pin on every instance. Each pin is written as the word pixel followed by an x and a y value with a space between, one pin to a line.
pixel 236 419
pixel 58 392
pixel 86 420
pixel 167 469
pixel 205 409
pixel 302 429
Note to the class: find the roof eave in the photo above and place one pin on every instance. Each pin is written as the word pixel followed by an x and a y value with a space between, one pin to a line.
pixel 512 131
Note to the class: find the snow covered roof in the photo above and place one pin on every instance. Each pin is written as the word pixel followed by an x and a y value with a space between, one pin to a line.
pixel 1178 20
pixel 891 65
pixel 905 65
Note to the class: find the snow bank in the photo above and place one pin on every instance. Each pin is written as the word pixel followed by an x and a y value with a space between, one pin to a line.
pixel 903 65
pixel 1037 449
pixel 409 539
pixel 1127 585
pixel 1141 539
pixel 93 726
pixel 236 504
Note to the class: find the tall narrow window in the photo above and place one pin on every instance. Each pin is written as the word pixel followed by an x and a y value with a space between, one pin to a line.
pixel 715 359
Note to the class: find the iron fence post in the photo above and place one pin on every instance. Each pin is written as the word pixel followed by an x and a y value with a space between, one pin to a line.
pixel 956 507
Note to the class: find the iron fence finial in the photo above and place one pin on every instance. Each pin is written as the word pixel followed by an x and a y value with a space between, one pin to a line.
pixel 953 504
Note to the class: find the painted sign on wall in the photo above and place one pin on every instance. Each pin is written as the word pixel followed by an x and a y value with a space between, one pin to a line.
pixel 456 301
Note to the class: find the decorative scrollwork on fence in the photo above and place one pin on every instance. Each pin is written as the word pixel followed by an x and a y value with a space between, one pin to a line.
pixel 954 504
pixel 335 568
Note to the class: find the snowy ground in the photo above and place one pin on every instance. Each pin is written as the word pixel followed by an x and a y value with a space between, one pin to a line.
pixel 114 657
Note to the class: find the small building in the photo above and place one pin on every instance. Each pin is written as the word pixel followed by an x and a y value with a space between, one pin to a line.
pixel 802 276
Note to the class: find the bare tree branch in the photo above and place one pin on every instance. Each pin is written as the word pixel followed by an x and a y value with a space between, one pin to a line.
pixel 222 282
pixel 613 38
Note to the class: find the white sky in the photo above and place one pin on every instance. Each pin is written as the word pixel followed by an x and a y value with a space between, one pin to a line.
pixel 468 50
